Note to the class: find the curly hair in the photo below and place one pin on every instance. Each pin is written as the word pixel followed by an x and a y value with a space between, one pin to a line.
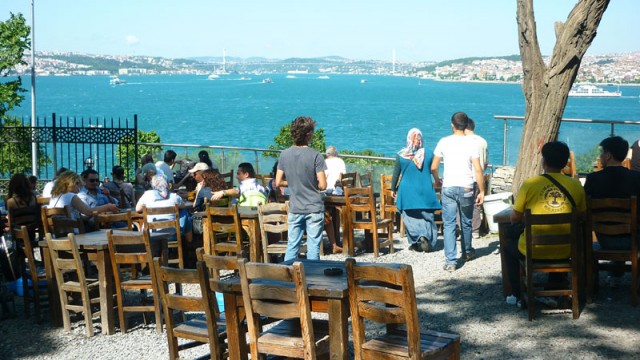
pixel 213 180
pixel 20 189
pixel 65 183
pixel 302 129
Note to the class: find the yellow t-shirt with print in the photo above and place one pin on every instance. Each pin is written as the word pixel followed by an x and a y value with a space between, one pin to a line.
pixel 541 196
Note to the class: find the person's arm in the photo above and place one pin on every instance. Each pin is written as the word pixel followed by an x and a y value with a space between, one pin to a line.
pixel 435 166
pixel 80 205
pixel 184 178
pixel 479 179
pixel 516 217
pixel 322 180
pixel 280 182
pixel 222 193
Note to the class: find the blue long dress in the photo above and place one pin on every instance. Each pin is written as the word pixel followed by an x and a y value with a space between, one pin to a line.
pixel 416 198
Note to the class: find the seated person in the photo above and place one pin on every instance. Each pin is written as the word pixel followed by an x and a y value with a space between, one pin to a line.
pixel 65 192
pixel 167 165
pixel 335 169
pixel 92 193
pixel 159 196
pixel 33 180
pixel 249 191
pixel 20 195
pixel 535 195
pixel 46 191
pixel 613 181
pixel 273 190
pixel 118 184
pixel 211 182
pixel 203 156
pixel 140 178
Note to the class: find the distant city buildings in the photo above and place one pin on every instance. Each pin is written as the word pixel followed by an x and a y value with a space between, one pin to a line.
pixel 607 68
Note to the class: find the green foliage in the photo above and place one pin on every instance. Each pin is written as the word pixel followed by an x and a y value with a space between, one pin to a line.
pixel 15 157
pixel 365 163
pixel 14 41
pixel 586 160
pixel 126 154
pixel 112 65
pixel 284 140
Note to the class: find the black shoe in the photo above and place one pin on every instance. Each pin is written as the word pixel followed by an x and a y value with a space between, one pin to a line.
pixel 415 247
pixel 424 244
pixel 470 255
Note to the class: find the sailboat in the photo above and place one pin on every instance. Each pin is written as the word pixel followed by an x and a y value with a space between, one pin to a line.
pixel 220 71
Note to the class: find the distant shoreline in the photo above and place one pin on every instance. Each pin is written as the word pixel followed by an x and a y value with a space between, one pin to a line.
pixel 520 82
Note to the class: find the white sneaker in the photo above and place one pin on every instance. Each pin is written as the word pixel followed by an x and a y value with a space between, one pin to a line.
pixel 512 300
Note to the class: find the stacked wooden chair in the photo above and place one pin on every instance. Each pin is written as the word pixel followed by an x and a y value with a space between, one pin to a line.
pixel 384 295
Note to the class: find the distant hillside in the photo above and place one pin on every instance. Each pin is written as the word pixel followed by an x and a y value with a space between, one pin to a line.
pixel 469 60
pixel 90 62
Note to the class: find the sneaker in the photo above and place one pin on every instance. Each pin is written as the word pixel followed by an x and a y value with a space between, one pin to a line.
pixel 450 267
pixel 512 300
pixel 415 247
pixel 424 244
pixel 470 255
pixel 475 236
pixel 548 301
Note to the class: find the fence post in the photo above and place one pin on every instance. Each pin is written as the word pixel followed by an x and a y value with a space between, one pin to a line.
pixel 55 142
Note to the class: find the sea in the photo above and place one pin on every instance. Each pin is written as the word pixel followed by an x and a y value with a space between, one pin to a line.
pixel 357 112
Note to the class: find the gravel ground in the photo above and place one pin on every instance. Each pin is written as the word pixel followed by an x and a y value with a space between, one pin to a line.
pixel 468 302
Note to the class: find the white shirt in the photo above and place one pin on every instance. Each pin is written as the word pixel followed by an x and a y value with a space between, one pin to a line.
pixel 152 199
pixel 46 192
pixel 62 201
pixel 481 143
pixel 166 170
pixel 457 152
pixel 335 167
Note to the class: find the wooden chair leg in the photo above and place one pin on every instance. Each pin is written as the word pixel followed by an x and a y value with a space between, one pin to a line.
pixel 88 317
pixel 575 299
pixel 123 320
pixel 635 285
pixel 390 232
pixel 376 244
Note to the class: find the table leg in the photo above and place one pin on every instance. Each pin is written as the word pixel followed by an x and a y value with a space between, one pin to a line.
pixel 255 240
pixel 506 285
pixel 347 236
pixel 52 286
pixel 338 332
pixel 105 283
pixel 237 343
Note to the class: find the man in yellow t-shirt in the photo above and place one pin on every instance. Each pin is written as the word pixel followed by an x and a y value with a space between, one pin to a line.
pixel 541 196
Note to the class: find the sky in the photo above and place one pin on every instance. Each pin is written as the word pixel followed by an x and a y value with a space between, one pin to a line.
pixel 418 30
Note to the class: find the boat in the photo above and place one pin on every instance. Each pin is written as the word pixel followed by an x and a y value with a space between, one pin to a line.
pixel 305 71
pixel 363 81
pixel 324 77
pixel 290 77
pixel 115 80
pixel 221 71
pixel 267 81
pixel 592 91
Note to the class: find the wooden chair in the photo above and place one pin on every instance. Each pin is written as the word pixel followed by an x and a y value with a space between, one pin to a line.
pixel 34 293
pixel 280 292
pixel 388 208
pixel 364 179
pixel 43 201
pixel 228 178
pixel 106 220
pixel 200 331
pixel 570 169
pixel 349 180
pixel 383 295
pixel 612 218
pixel 81 285
pixel 361 200
pixel 273 224
pixel 530 265
pixel 129 250
pixel 48 214
pixel 166 224
pixel 29 216
pixel 224 231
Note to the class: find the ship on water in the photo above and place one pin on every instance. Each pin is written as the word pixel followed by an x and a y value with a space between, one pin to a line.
pixel 592 91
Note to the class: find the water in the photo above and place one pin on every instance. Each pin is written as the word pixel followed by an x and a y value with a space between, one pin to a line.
pixel 374 115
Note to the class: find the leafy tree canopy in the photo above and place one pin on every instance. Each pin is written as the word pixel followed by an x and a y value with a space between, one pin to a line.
pixel 14 40
pixel 126 154
pixel 15 157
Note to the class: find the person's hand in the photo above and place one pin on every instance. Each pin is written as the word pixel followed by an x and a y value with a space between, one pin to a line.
pixel 394 194
pixel 217 195
pixel 105 191
pixel 479 199
pixel 112 208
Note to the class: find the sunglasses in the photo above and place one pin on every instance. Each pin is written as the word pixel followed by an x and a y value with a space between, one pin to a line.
pixel 93 180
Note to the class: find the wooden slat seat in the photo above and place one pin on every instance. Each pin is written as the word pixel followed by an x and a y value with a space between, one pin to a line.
pixel 384 295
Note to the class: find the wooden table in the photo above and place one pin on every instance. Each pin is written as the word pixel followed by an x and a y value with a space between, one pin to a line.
pixel 95 244
pixel 328 294
pixel 503 218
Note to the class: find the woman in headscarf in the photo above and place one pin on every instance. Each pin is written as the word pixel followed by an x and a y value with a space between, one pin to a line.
pixel 415 196
pixel 159 196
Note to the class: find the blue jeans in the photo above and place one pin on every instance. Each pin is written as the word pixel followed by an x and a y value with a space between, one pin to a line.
pixel 457 200
pixel 313 223
pixel 420 222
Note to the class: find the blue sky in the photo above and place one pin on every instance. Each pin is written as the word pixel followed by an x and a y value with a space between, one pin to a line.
pixel 357 29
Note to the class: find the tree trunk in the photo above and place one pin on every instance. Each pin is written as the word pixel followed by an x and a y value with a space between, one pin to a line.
pixel 546 87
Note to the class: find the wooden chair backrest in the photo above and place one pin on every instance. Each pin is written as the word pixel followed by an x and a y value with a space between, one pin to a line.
pixel 163 212
pixel 387 202
pixel 128 248
pixel 279 292
pixel 364 179
pixel 209 269
pixel 228 178
pixel 105 220
pixel 29 216
pixel 223 220
pixel 612 217
pixel 47 215
pixel 62 226
pixel 361 200
pixel 21 234
pixel 273 219
pixel 43 200
pixel 570 168
pixel 383 295
pixel 223 202
pixel 569 238
pixel 349 179
pixel 63 264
